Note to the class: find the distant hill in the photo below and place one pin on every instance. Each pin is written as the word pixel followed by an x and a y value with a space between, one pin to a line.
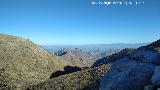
pixel 81 58
pixel 23 62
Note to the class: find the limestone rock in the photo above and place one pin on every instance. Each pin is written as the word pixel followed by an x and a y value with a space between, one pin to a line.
pixel 127 75
pixel 156 76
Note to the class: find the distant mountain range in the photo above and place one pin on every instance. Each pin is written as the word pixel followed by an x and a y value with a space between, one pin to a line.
pixel 92 47
pixel 86 55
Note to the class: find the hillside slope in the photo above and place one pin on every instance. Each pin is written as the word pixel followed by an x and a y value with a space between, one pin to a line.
pixel 88 79
pixel 23 62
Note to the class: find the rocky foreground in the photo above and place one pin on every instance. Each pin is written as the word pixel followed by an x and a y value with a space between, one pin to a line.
pixel 137 70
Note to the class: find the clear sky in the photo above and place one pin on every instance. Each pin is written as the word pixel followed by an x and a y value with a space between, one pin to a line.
pixel 61 22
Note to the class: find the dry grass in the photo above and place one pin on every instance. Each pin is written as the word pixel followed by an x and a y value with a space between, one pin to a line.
pixel 158 49
pixel 86 79
pixel 22 61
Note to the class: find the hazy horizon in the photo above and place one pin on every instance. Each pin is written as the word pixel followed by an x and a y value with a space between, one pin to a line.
pixel 92 44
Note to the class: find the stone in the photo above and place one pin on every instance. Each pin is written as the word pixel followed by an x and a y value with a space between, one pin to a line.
pixel 147 57
pixel 149 87
pixel 156 76
pixel 127 75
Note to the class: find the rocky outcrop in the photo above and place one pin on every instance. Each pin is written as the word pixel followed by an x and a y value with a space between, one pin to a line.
pixel 145 57
pixel 114 57
pixel 136 70
pixel 127 75
pixel 156 76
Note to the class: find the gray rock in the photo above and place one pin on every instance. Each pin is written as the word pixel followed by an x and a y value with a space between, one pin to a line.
pixel 149 87
pixel 148 57
pixel 127 75
pixel 156 76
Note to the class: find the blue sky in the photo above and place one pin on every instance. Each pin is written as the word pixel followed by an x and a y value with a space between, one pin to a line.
pixel 74 22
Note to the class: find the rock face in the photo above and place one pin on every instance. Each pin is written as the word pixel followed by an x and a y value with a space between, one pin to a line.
pixel 114 57
pixel 156 76
pixel 23 62
pixel 147 57
pixel 127 75
pixel 149 87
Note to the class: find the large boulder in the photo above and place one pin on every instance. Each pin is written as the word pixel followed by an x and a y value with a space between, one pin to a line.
pixel 127 75
pixel 147 57
pixel 156 76
pixel 149 87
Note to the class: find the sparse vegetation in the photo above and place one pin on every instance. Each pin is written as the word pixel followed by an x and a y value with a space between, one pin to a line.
pixel 158 49
pixel 23 62
pixel 87 79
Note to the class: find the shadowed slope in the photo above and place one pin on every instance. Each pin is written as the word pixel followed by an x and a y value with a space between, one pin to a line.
pixel 88 79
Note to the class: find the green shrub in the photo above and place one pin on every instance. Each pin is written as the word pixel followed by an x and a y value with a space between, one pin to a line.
pixel 158 49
